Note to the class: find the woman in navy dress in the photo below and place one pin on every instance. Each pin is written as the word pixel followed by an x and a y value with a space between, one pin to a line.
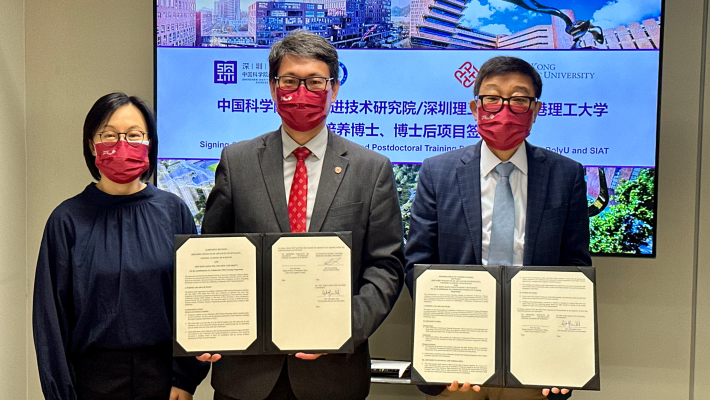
pixel 102 313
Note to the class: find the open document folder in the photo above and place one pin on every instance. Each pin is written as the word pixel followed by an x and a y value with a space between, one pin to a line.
pixel 245 293
pixel 505 326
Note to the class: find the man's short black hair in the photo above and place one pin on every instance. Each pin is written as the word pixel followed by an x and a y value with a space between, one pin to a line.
pixel 101 113
pixel 502 65
pixel 304 44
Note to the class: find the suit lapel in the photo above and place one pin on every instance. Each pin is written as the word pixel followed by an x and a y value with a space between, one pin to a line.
pixel 469 180
pixel 272 169
pixel 329 180
pixel 538 177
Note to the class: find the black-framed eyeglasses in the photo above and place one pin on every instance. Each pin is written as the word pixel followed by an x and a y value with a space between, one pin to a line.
pixel 516 104
pixel 292 83
pixel 110 138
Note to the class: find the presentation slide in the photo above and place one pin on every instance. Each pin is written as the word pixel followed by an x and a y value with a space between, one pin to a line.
pixel 407 71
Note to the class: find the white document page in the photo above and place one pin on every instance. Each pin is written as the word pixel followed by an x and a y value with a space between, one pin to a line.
pixel 311 293
pixel 455 326
pixel 216 294
pixel 552 328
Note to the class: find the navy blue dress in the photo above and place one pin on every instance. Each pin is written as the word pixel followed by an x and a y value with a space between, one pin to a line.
pixel 104 281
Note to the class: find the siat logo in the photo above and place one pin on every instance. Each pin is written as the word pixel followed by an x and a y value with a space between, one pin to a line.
pixel 343 73
pixel 225 72
pixel 466 74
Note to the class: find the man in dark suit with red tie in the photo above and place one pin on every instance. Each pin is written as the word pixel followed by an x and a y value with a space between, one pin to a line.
pixel 501 201
pixel 301 178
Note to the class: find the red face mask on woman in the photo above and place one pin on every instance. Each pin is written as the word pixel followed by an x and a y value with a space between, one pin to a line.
pixel 302 110
pixel 504 130
pixel 122 163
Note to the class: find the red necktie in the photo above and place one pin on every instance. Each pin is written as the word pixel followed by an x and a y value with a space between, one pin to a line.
pixel 299 192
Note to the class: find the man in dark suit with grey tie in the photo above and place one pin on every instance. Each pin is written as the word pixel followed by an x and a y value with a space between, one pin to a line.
pixel 501 201
pixel 301 178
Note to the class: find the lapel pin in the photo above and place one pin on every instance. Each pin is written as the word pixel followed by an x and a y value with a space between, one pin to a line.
pixel 338 170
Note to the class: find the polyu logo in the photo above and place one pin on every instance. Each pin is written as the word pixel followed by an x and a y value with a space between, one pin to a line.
pixel 487 117
pixel 289 98
pixel 466 74
pixel 108 153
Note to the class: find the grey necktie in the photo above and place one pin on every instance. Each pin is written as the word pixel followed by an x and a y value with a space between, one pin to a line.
pixel 500 249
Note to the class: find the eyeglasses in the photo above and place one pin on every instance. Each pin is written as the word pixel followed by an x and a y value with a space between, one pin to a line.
pixel 110 138
pixel 516 104
pixel 292 83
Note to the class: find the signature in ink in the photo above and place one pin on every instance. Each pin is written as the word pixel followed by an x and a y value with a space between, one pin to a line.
pixel 332 261
pixel 570 325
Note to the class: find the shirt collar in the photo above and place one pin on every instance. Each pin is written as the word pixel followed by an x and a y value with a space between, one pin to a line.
pixel 489 160
pixel 317 145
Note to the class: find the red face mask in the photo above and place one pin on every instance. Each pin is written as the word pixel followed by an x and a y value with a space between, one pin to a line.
pixel 122 163
pixel 504 130
pixel 302 110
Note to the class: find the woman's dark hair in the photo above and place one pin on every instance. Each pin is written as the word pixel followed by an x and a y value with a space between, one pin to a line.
pixel 99 115
pixel 502 65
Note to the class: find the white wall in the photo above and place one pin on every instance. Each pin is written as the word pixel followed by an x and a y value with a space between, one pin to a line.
pixel 13 270
pixel 79 50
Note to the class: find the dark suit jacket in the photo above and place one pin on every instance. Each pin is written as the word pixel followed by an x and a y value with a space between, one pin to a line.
pixel 249 197
pixel 446 213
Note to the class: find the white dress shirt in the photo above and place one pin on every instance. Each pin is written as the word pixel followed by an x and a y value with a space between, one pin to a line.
pixel 314 165
pixel 519 187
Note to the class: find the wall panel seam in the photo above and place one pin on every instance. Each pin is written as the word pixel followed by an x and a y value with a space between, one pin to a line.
pixel 28 298
pixel 698 193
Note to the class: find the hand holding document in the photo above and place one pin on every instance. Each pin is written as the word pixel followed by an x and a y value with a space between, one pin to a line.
pixel 308 356
pixel 454 387
pixel 546 392
pixel 207 357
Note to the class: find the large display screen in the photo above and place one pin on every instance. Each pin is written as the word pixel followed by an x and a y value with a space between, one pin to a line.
pixel 407 69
